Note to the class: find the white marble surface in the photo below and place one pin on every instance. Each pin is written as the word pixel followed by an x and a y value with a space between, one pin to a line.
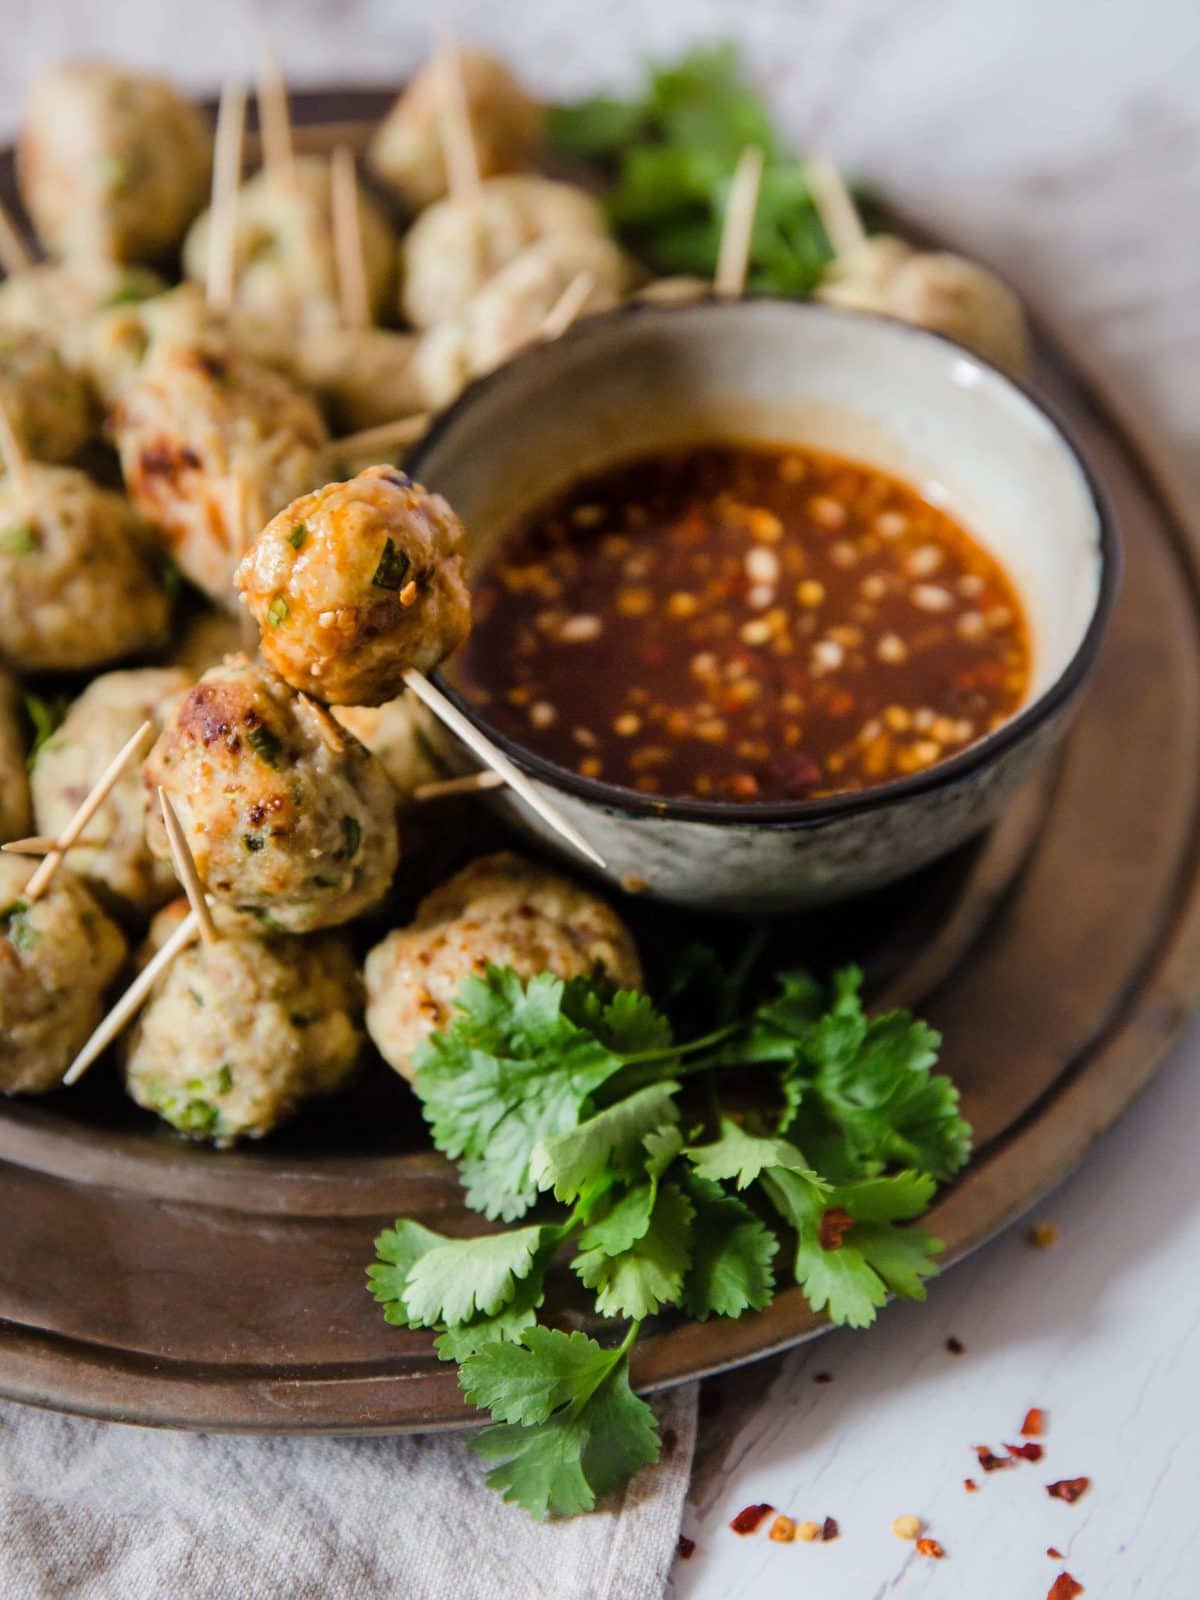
pixel 1062 140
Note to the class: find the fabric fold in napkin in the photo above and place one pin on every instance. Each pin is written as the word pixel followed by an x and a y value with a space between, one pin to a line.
pixel 100 1511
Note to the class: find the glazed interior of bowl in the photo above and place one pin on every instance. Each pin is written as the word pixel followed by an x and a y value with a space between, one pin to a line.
pixel 787 373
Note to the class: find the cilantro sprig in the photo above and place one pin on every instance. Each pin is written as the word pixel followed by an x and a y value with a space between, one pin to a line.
pixel 657 1196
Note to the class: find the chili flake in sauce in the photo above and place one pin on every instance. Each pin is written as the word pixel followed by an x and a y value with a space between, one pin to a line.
pixel 744 623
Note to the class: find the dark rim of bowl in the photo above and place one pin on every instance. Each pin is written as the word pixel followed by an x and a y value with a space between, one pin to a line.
pixel 828 808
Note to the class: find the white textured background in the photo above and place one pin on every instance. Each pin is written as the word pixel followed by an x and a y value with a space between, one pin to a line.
pixel 1061 139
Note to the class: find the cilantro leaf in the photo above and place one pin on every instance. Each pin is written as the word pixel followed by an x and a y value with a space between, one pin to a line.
pixel 610 1141
pixel 902 1257
pixel 627 1021
pixel 460 1278
pixel 398 1250
pixel 526 1382
pixel 743 1156
pixel 839 1281
pixel 731 1255
pixel 509 1323
pixel 511 1070
pixel 638 1281
pixel 625 1222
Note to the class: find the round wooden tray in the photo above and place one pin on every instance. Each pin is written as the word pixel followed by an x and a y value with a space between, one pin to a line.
pixel 146 1281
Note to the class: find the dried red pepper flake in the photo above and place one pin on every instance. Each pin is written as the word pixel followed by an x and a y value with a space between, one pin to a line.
pixel 829 1530
pixel 970 1486
pixel 930 1548
pixel 1035 1423
pixel 1068 1489
pixel 955 1346
pixel 991 1462
pixel 835 1225
pixel 1054 1553
pixel 1026 1452
pixel 687 1547
pixel 1064 1587
pixel 749 1518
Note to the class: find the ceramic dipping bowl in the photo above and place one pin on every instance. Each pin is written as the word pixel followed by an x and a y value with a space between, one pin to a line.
pixel 792 373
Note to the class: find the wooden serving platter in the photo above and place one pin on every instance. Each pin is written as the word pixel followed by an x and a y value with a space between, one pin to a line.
pixel 145 1281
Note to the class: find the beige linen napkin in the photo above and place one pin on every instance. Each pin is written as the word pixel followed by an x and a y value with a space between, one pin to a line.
pixel 99 1511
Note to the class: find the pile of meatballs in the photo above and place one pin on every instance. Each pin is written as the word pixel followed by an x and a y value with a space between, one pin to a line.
pixel 159 437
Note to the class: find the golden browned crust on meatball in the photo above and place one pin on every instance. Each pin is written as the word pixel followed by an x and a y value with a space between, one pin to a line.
pixel 76 589
pixel 286 814
pixel 500 911
pixel 357 583
pixel 57 957
pixel 189 425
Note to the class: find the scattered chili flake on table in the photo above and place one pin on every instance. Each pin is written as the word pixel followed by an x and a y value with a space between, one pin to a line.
pixel 931 1548
pixel 720 627
pixel 991 1462
pixel 1053 1553
pixel 782 1530
pixel 749 1518
pixel 1034 1424
pixel 808 1531
pixel 955 1346
pixel 970 1486
pixel 1064 1587
pixel 1042 1235
pixel 906 1527
pixel 1068 1489
pixel 687 1547
pixel 1025 1452
pixel 829 1530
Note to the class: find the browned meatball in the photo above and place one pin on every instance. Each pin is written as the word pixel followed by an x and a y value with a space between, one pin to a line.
pixel 286 814
pixel 355 584
pixel 500 911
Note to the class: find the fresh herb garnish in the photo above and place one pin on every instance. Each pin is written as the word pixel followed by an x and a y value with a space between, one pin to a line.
pixel 568 1090
pixel 22 935
pixel 20 540
pixel 351 836
pixel 267 746
pixel 671 154
pixel 46 717
pixel 393 567
pixel 277 611
pixel 297 536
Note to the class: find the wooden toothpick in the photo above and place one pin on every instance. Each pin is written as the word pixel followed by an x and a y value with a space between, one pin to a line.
pixel 835 205
pixel 568 306
pixel 39 844
pixel 328 731
pixel 454 126
pixel 227 176
pixel 12 451
pixel 133 999
pixel 733 256
pixel 132 748
pixel 275 117
pixel 388 436
pixel 185 870
pixel 15 254
pixel 448 788
pixel 487 752
pixel 347 240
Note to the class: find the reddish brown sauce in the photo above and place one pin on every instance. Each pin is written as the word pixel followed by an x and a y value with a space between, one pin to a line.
pixel 745 623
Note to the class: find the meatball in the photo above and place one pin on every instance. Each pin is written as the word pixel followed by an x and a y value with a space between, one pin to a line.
pixel 511 311
pixel 355 584
pixel 500 911
pixel 57 301
pixel 113 859
pixel 57 957
pixel 935 290
pixel 286 814
pixel 285 267
pixel 115 344
pixel 192 423
pixel 506 124
pixel 46 402
pixel 206 639
pixel 77 588
pixel 237 1033
pixel 362 376
pixel 14 781
pixel 455 248
pixel 112 164
pixel 394 733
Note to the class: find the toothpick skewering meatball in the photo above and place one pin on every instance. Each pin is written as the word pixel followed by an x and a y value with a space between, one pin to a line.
pixel 238 1033
pixel 14 782
pixel 188 427
pixel 506 127
pixel 112 164
pixel 287 816
pixel 113 859
pixel 57 958
pixel 456 247
pixel 936 290
pixel 500 911
pixel 357 583
pixel 76 587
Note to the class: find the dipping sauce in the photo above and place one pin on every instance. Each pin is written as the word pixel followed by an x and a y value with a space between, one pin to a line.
pixel 744 623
